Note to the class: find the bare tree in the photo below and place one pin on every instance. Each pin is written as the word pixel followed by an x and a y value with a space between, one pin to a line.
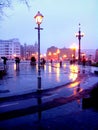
pixel 4 4
pixel 26 2
pixel 7 4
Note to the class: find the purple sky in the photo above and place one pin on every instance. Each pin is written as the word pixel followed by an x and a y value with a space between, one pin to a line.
pixel 60 23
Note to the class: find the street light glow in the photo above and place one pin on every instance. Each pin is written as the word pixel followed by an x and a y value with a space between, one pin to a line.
pixel 58 51
pixel 38 17
pixel 77 34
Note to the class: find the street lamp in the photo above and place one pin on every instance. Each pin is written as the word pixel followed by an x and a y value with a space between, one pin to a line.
pixel 39 17
pixel 79 35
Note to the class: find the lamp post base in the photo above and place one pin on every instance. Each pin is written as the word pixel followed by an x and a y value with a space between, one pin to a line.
pixel 39 84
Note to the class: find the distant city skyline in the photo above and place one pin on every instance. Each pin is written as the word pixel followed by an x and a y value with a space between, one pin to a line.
pixel 60 23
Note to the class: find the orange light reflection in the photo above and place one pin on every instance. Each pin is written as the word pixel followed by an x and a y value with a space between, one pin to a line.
pixel 14 66
pixel 44 67
pixel 76 91
pixel 73 85
pixel 73 76
pixel 50 69
pixel 64 65
pixel 58 74
pixel 74 68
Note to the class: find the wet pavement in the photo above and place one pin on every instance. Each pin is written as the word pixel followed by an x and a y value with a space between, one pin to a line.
pixel 24 79
pixel 58 106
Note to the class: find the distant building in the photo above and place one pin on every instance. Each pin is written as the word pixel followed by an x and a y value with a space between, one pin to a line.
pixel 66 53
pixel 62 54
pixel 89 53
pixel 96 56
pixel 10 48
pixel 28 50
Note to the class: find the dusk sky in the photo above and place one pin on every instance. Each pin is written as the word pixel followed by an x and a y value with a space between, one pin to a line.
pixel 60 23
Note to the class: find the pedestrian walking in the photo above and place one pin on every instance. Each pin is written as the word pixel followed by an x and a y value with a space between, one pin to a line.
pixel 84 61
pixel 17 61
pixel 4 61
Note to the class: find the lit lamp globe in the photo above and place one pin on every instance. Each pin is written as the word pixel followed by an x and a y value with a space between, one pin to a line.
pixel 38 17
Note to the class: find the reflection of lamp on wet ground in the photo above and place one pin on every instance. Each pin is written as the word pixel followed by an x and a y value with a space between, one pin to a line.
pixel 39 17
pixel 79 35
pixel 73 72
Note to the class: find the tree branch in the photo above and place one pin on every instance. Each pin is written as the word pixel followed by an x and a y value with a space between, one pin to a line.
pixel 7 4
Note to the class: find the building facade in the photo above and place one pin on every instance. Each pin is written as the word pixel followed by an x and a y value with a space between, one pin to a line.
pixel 54 53
pixel 27 51
pixel 10 48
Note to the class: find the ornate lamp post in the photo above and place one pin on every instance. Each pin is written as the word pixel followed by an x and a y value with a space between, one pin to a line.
pixel 39 17
pixel 79 35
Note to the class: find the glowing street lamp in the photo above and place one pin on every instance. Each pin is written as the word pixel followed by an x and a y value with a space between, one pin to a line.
pixel 74 47
pixel 79 35
pixel 39 17
pixel 49 54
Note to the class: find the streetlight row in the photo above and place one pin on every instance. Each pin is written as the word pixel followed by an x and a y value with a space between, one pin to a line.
pixel 39 17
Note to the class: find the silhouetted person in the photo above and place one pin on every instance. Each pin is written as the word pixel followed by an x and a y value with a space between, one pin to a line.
pixel 78 89
pixel 17 60
pixel 51 61
pixel 33 61
pixel 71 62
pixel 60 63
pixel 83 61
pixel 73 59
pixel 4 62
pixel 43 61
